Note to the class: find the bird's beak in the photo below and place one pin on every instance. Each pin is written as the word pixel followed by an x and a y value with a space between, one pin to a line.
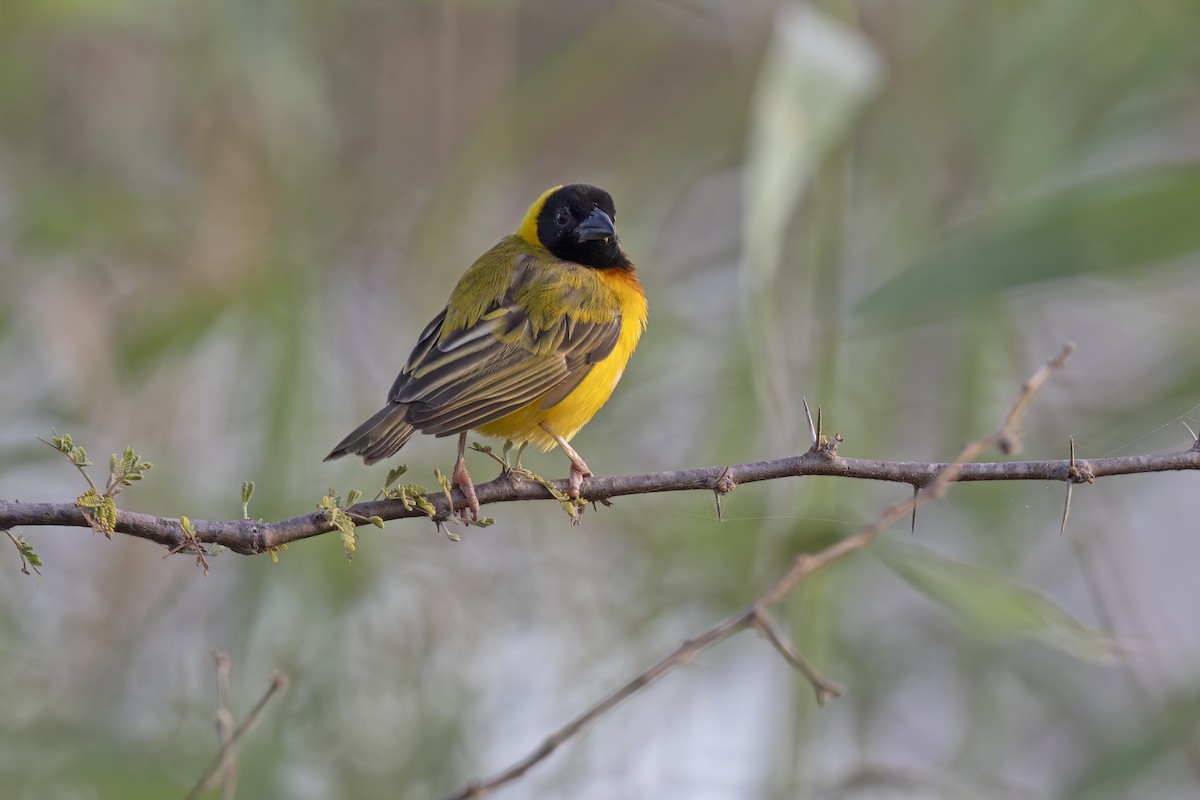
pixel 597 227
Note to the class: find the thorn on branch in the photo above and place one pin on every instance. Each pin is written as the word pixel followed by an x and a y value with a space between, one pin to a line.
pixel 821 444
pixel 916 493
pixel 1071 473
pixel 725 484
pixel 816 437
pixel 1079 472
pixel 1195 436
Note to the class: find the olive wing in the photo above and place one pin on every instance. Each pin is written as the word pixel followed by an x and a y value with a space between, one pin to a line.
pixel 468 377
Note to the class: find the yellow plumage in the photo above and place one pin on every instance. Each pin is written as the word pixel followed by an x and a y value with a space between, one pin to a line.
pixel 532 342
pixel 577 408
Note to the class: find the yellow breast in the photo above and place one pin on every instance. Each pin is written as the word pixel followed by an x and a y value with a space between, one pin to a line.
pixel 576 409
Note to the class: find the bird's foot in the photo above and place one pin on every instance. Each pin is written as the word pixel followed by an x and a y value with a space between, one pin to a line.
pixel 579 471
pixel 462 479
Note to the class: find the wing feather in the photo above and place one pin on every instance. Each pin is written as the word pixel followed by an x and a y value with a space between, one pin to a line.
pixel 539 337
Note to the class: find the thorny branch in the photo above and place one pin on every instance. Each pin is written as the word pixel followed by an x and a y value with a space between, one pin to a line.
pixel 755 614
pixel 250 537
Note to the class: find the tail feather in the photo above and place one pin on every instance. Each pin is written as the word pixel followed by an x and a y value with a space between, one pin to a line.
pixel 377 438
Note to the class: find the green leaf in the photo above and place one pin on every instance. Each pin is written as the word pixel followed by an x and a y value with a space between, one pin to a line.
pixel 64 444
pixel 124 469
pixel 89 499
pixel 102 508
pixel 392 476
pixel 335 512
pixel 993 605
pixel 29 558
pixel 247 493
pixel 816 75
pixel 1116 226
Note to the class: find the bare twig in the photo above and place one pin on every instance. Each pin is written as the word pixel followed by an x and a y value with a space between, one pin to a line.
pixel 754 616
pixel 681 655
pixel 1007 439
pixel 220 762
pixel 822 686
pixel 225 727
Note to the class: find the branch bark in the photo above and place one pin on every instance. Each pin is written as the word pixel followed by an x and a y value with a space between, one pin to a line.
pixel 251 537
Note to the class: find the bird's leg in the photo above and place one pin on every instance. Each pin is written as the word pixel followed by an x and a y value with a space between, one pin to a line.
pixel 462 479
pixel 579 469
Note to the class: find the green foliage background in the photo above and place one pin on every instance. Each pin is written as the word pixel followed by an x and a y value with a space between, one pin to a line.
pixel 222 225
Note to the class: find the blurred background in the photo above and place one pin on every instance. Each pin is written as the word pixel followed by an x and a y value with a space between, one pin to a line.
pixel 223 224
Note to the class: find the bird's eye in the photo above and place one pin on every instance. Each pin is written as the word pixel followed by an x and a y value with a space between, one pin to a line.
pixel 561 217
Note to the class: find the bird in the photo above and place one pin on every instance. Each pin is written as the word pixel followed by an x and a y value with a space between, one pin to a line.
pixel 531 344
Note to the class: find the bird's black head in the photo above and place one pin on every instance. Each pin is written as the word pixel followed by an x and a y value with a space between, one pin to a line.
pixel 576 223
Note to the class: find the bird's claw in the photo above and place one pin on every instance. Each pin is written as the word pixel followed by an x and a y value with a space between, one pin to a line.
pixel 579 471
pixel 462 479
